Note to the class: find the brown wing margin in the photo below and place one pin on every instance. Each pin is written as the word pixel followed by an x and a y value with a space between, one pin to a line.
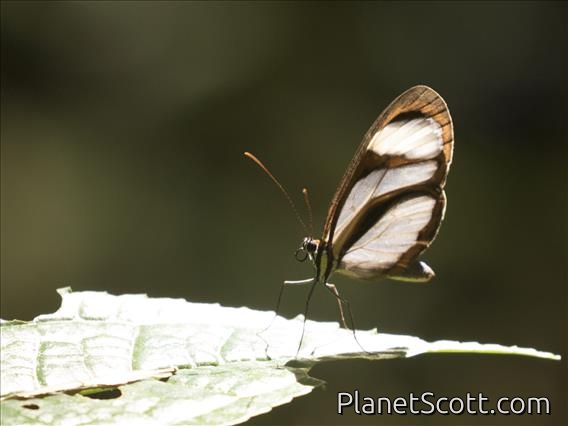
pixel 418 100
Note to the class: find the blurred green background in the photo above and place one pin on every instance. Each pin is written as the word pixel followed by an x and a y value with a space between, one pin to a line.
pixel 123 127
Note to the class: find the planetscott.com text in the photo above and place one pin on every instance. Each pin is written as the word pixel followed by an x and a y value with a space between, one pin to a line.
pixel 428 403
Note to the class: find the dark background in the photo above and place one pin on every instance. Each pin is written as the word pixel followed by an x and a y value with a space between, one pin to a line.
pixel 123 127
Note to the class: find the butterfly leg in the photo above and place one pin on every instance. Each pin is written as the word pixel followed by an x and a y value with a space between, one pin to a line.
pixel 277 310
pixel 340 300
pixel 314 281
pixel 286 283
pixel 307 281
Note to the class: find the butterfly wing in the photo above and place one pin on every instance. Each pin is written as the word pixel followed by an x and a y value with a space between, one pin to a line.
pixel 390 203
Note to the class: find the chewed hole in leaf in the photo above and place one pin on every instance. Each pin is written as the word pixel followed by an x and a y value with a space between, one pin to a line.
pixel 31 406
pixel 105 394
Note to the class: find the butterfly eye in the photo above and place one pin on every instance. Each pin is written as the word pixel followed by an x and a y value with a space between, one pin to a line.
pixel 301 254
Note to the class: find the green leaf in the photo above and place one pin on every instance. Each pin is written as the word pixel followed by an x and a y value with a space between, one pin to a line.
pixel 114 359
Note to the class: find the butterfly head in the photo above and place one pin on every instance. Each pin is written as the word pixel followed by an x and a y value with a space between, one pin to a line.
pixel 308 248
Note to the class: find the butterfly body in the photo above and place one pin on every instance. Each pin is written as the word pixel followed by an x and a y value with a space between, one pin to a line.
pixel 389 205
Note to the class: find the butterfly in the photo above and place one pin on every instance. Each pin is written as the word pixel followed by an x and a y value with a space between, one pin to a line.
pixel 389 205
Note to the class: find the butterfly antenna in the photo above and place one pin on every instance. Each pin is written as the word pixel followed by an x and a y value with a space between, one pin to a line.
pixel 309 207
pixel 279 185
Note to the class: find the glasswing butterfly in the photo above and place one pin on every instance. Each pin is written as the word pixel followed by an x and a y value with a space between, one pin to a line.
pixel 389 204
